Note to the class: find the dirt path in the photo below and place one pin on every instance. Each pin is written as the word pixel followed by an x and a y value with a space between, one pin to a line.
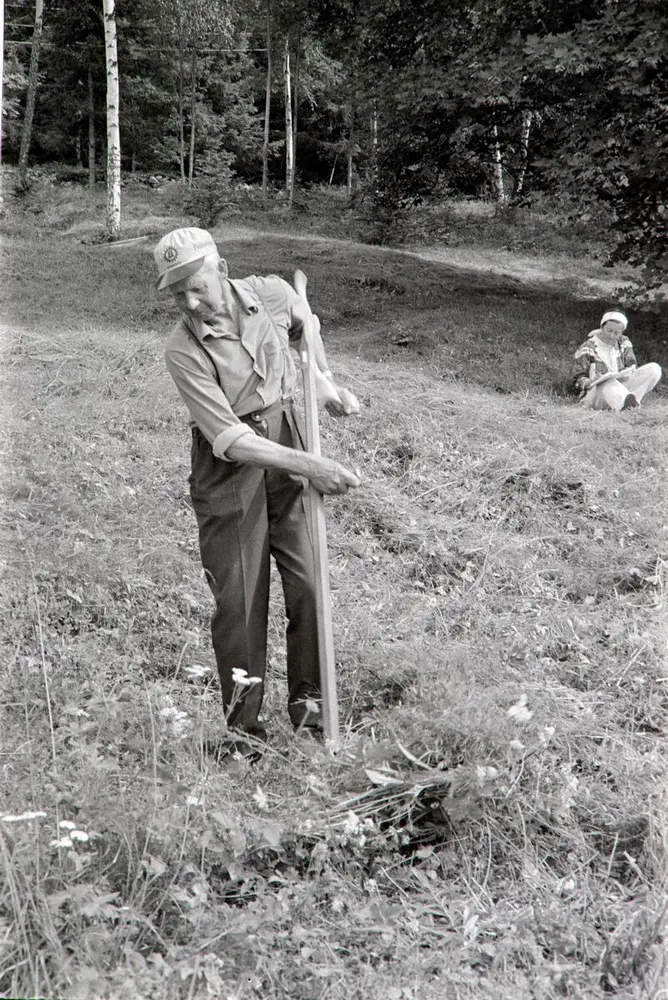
pixel 583 277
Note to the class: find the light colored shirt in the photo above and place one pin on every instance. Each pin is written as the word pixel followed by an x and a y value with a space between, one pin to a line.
pixel 610 354
pixel 243 368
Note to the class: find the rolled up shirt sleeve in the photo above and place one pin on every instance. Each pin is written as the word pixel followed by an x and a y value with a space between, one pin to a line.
pixel 207 404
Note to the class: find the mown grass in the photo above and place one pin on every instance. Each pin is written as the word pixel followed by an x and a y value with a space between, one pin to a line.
pixel 494 825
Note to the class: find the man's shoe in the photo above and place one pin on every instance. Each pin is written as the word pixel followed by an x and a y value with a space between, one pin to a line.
pixel 630 403
pixel 306 714
pixel 225 751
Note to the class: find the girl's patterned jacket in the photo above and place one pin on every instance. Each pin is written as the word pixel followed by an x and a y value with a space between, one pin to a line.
pixel 586 356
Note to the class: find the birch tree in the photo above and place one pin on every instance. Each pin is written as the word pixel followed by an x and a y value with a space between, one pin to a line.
pixel 267 107
pixel 295 112
pixel 498 182
pixel 33 77
pixel 289 138
pixel 113 127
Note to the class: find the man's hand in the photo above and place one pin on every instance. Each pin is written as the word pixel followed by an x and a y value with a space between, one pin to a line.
pixel 345 405
pixel 337 401
pixel 324 474
pixel 328 476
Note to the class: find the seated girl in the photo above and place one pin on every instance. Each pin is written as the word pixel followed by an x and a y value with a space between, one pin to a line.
pixel 605 372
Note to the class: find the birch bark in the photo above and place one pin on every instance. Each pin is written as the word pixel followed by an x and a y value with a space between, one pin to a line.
pixel 267 109
pixel 113 126
pixel 287 88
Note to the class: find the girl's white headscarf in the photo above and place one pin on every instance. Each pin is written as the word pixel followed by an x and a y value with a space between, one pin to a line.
pixel 618 317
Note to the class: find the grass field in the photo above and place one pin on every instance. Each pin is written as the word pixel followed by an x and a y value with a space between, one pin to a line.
pixel 495 823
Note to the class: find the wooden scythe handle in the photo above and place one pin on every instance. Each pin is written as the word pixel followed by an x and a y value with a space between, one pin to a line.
pixel 316 515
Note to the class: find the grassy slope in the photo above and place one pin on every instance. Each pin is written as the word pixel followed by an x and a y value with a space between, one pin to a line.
pixel 506 549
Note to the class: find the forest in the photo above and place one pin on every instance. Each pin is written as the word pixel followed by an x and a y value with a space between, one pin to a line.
pixel 509 100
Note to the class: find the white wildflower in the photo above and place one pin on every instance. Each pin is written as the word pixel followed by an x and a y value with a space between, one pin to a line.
pixel 63 842
pixel 520 711
pixel 67 824
pixel 193 800
pixel 177 720
pixel 197 671
pixel 79 835
pixel 9 818
pixel 352 823
pixel 241 678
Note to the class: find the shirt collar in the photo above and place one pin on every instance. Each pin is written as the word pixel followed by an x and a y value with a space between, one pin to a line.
pixel 247 301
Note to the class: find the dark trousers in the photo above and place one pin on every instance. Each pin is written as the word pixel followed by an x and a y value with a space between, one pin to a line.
pixel 245 515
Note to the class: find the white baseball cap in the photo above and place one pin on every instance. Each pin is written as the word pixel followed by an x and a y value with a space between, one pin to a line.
pixel 618 317
pixel 180 254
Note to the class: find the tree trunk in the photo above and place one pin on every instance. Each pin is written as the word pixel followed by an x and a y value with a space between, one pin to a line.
pixel 498 186
pixel 350 152
pixel 287 88
pixel 33 72
pixel 525 132
pixel 295 116
pixel 91 130
pixel 113 128
pixel 333 170
pixel 267 110
pixel 182 138
pixel 2 67
pixel 374 145
pixel 193 119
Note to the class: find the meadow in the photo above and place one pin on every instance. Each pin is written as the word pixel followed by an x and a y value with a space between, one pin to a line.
pixel 494 824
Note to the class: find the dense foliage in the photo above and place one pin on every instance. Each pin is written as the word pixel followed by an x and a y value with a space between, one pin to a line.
pixel 404 102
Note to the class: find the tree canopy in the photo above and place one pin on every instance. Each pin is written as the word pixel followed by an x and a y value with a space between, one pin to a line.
pixel 506 98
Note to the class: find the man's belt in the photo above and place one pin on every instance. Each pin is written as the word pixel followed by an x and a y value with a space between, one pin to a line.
pixel 258 419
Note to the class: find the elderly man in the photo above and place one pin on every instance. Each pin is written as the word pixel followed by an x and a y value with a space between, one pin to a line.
pixel 605 372
pixel 230 358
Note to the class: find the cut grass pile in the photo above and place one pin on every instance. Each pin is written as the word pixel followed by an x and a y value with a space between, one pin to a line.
pixel 495 823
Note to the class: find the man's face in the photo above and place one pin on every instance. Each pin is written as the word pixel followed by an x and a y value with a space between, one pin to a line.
pixel 611 331
pixel 200 295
